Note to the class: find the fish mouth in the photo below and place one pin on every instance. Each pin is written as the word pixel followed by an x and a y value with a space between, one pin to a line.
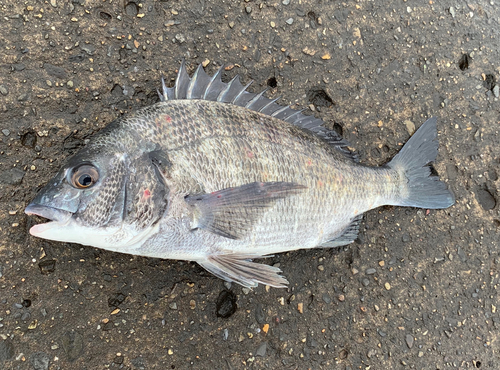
pixel 57 217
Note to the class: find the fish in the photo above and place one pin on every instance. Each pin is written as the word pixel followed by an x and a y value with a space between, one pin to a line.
pixel 222 176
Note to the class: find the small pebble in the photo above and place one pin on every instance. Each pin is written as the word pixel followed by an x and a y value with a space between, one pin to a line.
pixel 33 325
pixel 6 132
pixel 180 37
pixel 47 266
pixel 248 9
pixel 387 286
pixel 496 91
pixel 289 21
pixel 265 328
pixel 226 304
pixel 261 351
pixel 173 305
pixel 409 340
pixel 3 90
pixel 370 271
pixel 69 84
pixel 321 268
pixel 410 127
pixel 341 298
pixel 22 97
pixel 39 361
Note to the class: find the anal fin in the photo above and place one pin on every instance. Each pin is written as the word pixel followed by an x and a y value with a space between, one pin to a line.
pixel 347 236
pixel 240 269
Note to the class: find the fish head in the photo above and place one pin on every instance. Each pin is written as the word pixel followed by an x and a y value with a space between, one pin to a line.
pixel 90 201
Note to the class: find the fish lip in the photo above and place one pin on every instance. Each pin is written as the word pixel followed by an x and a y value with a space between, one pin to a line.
pixel 53 214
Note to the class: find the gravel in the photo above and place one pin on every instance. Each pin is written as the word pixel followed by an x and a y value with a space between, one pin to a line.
pixel 55 71
pixel 226 304
pixel 72 343
pixel 40 361
pixel 6 350
pixel 13 176
pixel 409 340
pixel 261 351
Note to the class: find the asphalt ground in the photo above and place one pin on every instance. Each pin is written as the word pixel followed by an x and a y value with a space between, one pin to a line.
pixel 418 288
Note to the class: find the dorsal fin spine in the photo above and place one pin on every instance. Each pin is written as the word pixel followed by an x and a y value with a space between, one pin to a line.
pixel 256 98
pixel 278 111
pixel 215 77
pixel 205 87
pixel 192 82
pixel 243 90
pixel 223 93
pixel 295 113
pixel 269 103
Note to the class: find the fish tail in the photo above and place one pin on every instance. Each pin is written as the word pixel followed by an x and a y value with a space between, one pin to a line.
pixel 423 190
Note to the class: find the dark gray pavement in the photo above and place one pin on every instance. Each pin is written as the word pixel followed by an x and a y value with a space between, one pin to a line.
pixel 417 290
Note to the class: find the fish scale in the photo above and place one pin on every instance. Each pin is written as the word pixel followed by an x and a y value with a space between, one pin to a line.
pixel 222 176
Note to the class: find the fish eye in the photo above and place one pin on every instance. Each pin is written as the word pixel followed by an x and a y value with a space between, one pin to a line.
pixel 84 176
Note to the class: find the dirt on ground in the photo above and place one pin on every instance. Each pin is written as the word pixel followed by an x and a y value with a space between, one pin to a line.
pixel 418 289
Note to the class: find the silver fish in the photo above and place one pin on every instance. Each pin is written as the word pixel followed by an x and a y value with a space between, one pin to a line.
pixel 221 176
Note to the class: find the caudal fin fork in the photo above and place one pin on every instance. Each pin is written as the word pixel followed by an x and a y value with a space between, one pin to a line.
pixel 423 189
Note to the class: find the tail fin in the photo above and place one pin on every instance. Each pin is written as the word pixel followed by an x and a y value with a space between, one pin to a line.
pixel 424 190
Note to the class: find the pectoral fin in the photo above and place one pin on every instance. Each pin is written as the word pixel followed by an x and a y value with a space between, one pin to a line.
pixel 232 212
pixel 240 269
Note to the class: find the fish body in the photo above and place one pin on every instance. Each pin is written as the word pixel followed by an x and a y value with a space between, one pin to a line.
pixel 221 176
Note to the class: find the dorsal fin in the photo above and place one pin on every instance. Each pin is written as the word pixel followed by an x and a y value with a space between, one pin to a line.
pixel 203 86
